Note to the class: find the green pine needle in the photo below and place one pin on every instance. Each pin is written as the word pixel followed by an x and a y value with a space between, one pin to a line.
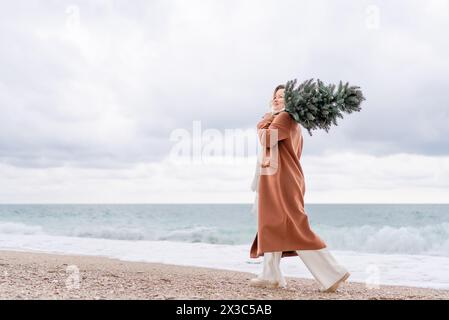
pixel 317 106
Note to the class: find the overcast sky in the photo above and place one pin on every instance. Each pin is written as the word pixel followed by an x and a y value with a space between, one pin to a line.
pixel 93 94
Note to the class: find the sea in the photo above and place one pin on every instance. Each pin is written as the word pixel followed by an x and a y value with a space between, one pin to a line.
pixel 380 244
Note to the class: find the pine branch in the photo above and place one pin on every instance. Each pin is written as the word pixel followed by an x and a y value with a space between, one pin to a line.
pixel 317 106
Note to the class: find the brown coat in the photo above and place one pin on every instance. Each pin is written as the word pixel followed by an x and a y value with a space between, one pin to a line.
pixel 283 224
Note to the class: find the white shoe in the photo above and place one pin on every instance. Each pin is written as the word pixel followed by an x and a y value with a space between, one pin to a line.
pixel 262 283
pixel 334 287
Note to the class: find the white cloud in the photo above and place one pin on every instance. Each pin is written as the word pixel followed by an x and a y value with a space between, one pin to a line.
pixel 100 85
pixel 344 178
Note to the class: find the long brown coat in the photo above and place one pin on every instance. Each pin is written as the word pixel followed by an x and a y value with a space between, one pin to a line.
pixel 283 224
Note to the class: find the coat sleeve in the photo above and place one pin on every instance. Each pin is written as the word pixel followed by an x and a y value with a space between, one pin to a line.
pixel 281 123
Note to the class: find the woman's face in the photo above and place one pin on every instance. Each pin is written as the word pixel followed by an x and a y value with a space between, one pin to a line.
pixel 278 100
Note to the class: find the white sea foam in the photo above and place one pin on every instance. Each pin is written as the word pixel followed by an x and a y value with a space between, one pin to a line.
pixel 412 270
pixel 427 239
pixel 423 240
pixel 19 228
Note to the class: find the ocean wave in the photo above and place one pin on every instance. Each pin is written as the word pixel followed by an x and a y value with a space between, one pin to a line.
pixel 428 239
pixel 106 232
pixel 189 234
pixel 196 234
pixel 19 228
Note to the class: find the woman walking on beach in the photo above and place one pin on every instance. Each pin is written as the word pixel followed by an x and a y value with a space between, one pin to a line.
pixel 283 226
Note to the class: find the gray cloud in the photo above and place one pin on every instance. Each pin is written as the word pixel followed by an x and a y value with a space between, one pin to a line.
pixel 109 92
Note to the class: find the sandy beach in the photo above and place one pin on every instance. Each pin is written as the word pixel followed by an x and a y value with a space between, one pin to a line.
pixel 25 275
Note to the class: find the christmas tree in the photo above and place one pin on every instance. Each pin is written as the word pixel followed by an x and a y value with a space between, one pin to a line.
pixel 317 106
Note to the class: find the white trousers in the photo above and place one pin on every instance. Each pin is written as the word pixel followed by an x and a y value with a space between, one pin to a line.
pixel 323 266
